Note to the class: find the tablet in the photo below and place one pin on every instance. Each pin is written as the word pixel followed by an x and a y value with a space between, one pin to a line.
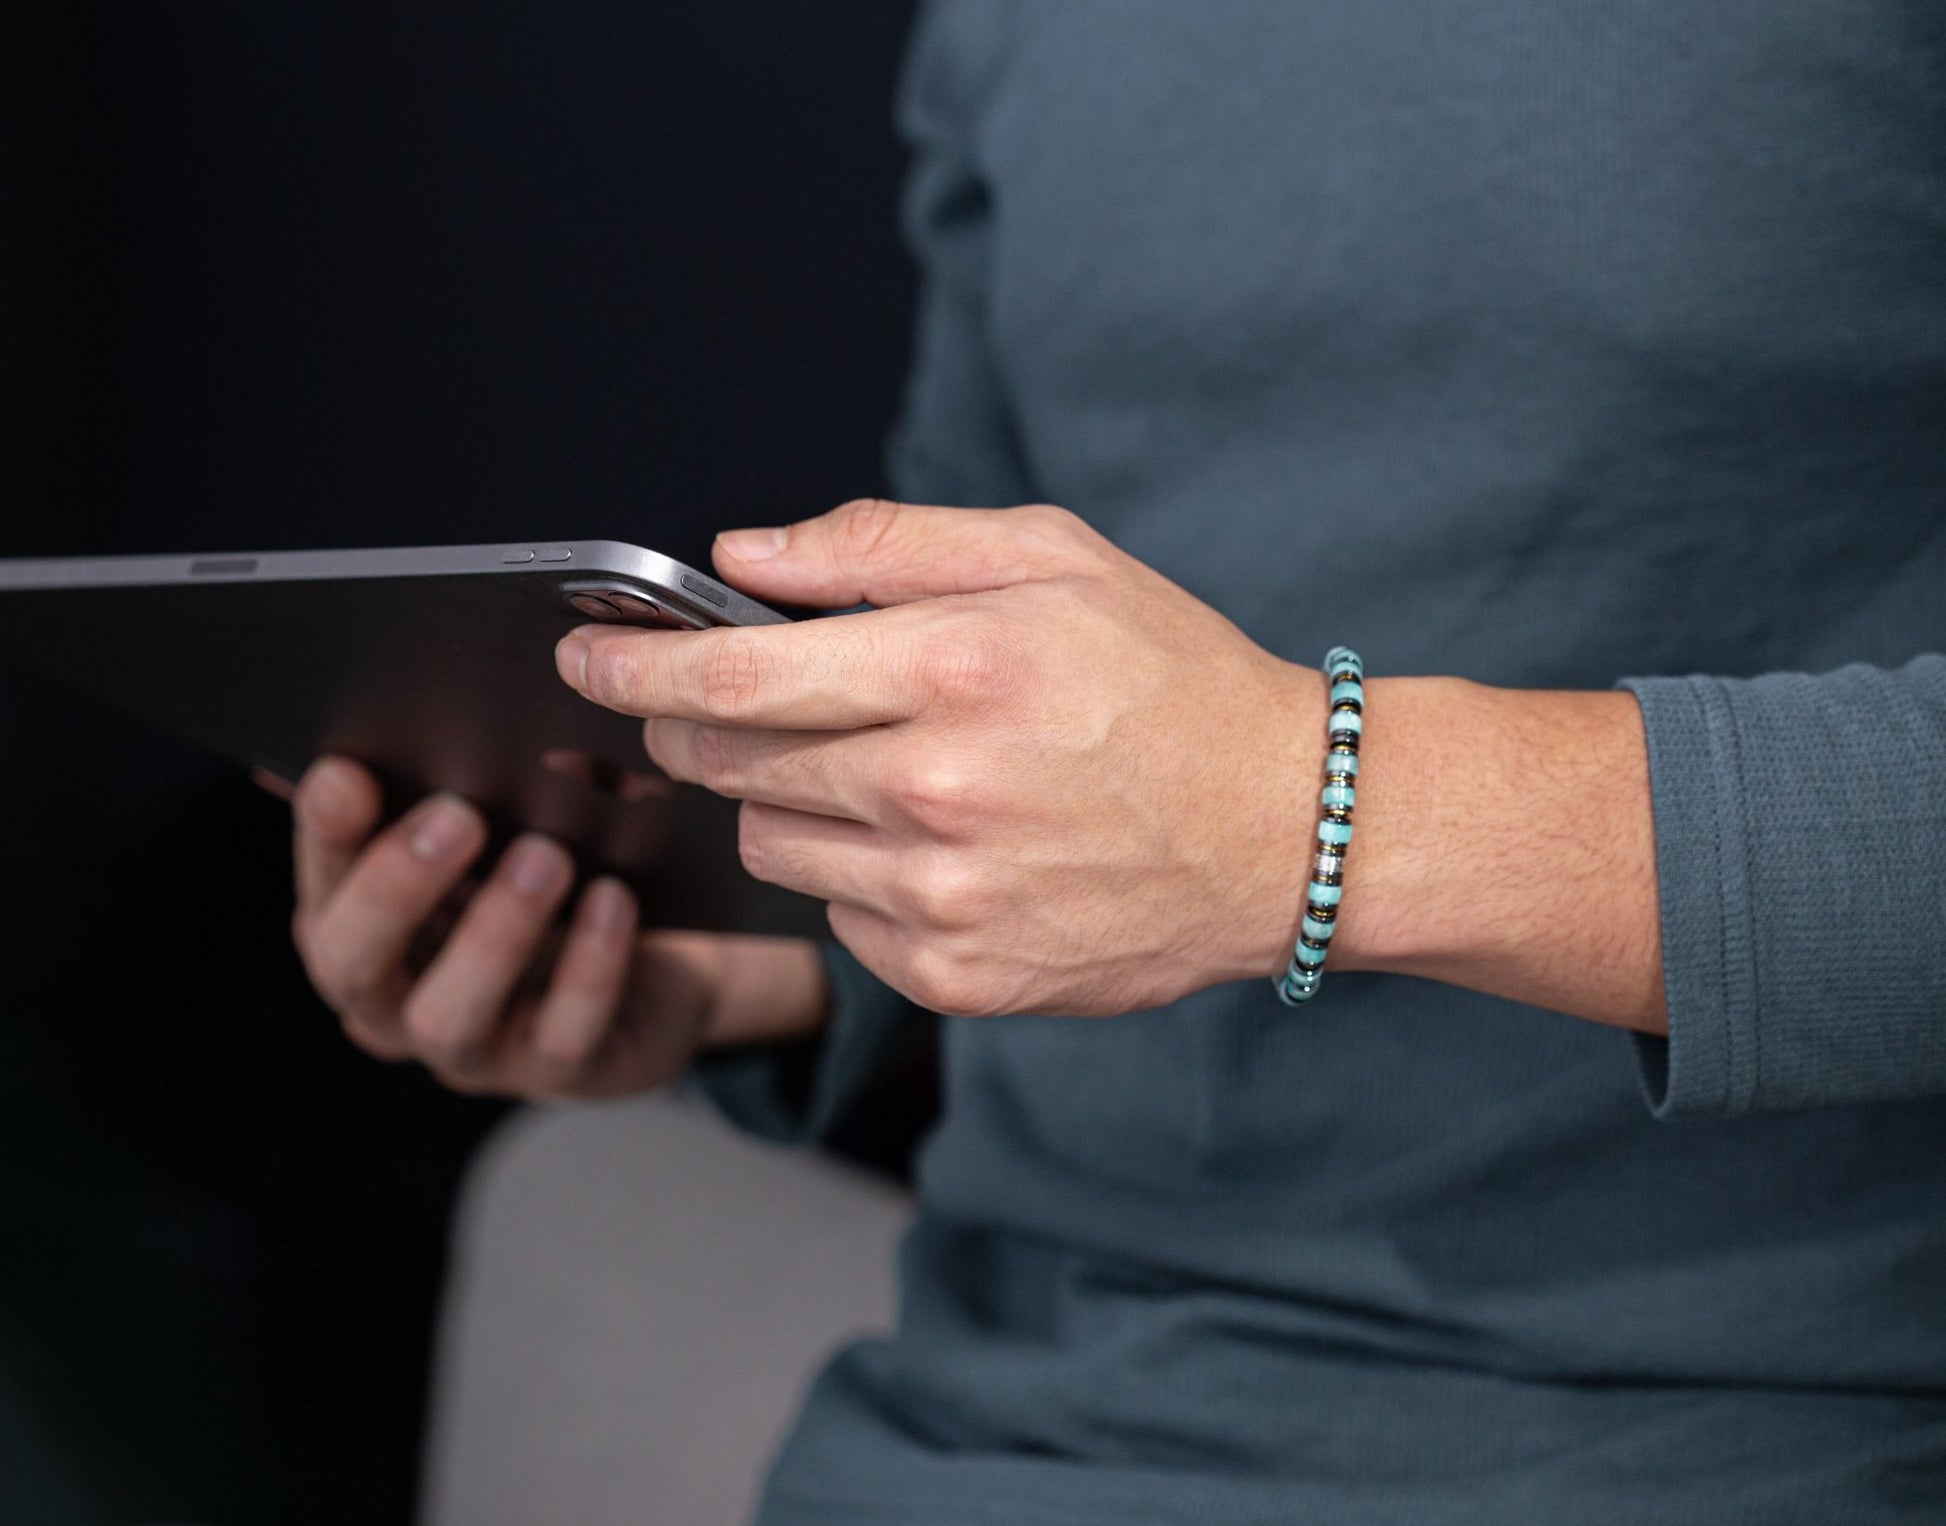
pixel 432 665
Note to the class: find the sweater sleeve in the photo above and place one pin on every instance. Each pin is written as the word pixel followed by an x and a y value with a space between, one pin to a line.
pixel 1800 828
pixel 795 1093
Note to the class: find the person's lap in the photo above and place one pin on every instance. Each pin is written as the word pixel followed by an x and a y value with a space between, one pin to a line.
pixel 639 1296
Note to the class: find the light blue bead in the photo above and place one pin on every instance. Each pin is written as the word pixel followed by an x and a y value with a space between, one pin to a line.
pixel 1346 720
pixel 1308 958
pixel 1326 895
pixel 1314 929
pixel 1341 763
pixel 1348 688
pixel 1343 657
pixel 1338 794
pixel 1334 832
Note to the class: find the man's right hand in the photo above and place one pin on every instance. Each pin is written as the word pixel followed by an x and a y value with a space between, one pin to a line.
pixel 483 988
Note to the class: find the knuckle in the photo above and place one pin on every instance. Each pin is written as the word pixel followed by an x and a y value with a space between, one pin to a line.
pixel 611 670
pixel 563 1058
pixel 928 981
pixel 715 755
pixel 752 850
pixel 980 669
pixel 733 679
pixel 946 893
pixel 655 743
pixel 938 795
pixel 340 979
pixel 669 744
pixel 360 1035
pixel 1055 523
pixel 381 1040
pixel 860 527
pixel 432 1030
pixel 467 1083
pixel 367 1039
pixel 764 858
pixel 1071 539
pixel 946 984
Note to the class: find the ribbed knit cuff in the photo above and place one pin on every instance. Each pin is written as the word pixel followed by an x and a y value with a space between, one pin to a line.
pixel 1800 825
pixel 1708 1063
pixel 792 1093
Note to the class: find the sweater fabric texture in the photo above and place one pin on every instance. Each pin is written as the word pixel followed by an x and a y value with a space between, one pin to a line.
pixel 1575 344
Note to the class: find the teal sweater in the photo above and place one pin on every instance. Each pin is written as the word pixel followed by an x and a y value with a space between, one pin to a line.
pixel 1565 343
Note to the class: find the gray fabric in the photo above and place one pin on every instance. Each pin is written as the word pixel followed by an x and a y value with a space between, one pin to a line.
pixel 1801 846
pixel 794 1094
pixel 1549 345
pixel 637 1300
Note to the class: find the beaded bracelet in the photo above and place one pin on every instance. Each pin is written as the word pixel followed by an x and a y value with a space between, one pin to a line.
pixel 1345 671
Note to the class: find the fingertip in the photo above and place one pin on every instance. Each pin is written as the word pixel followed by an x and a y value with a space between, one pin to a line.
pixel 742 546
pixel 337 797
pixel 445 827
pixel 756 562
pixel 539 867
pixel 584 995
pixel 608 907
pixel 571 660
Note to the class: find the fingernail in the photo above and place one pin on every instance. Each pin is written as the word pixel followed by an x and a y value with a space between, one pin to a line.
pixel 754 545
pixel 571 660
pixel 536 867
pixel 444 823
pixel 610 906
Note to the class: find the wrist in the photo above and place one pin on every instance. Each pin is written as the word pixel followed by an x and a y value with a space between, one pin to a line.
pixel 1406 876
pixel 1280 820
pixel 768 990
pixel 1505 843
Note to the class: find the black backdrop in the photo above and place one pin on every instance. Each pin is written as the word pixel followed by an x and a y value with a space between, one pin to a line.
pixel 335 273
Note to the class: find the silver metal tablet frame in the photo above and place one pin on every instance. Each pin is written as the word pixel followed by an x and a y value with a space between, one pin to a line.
pixel 712 602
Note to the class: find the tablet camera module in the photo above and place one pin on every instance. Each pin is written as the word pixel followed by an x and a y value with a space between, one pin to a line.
pixel 625 606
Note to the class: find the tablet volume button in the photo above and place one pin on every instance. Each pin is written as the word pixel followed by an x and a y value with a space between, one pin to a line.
pixel 556 554
pixel 704 590
pixel 518 555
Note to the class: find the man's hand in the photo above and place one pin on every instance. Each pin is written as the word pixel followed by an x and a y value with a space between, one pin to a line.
pixel 481 986
pixel 1038 777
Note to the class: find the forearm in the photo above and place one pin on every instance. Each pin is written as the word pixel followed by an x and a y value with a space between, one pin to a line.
pixel 1505 841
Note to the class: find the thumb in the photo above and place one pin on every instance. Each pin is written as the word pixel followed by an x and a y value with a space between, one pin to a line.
pixel 872 551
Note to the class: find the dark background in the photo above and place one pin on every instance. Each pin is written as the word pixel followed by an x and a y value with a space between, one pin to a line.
pixel 313 274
